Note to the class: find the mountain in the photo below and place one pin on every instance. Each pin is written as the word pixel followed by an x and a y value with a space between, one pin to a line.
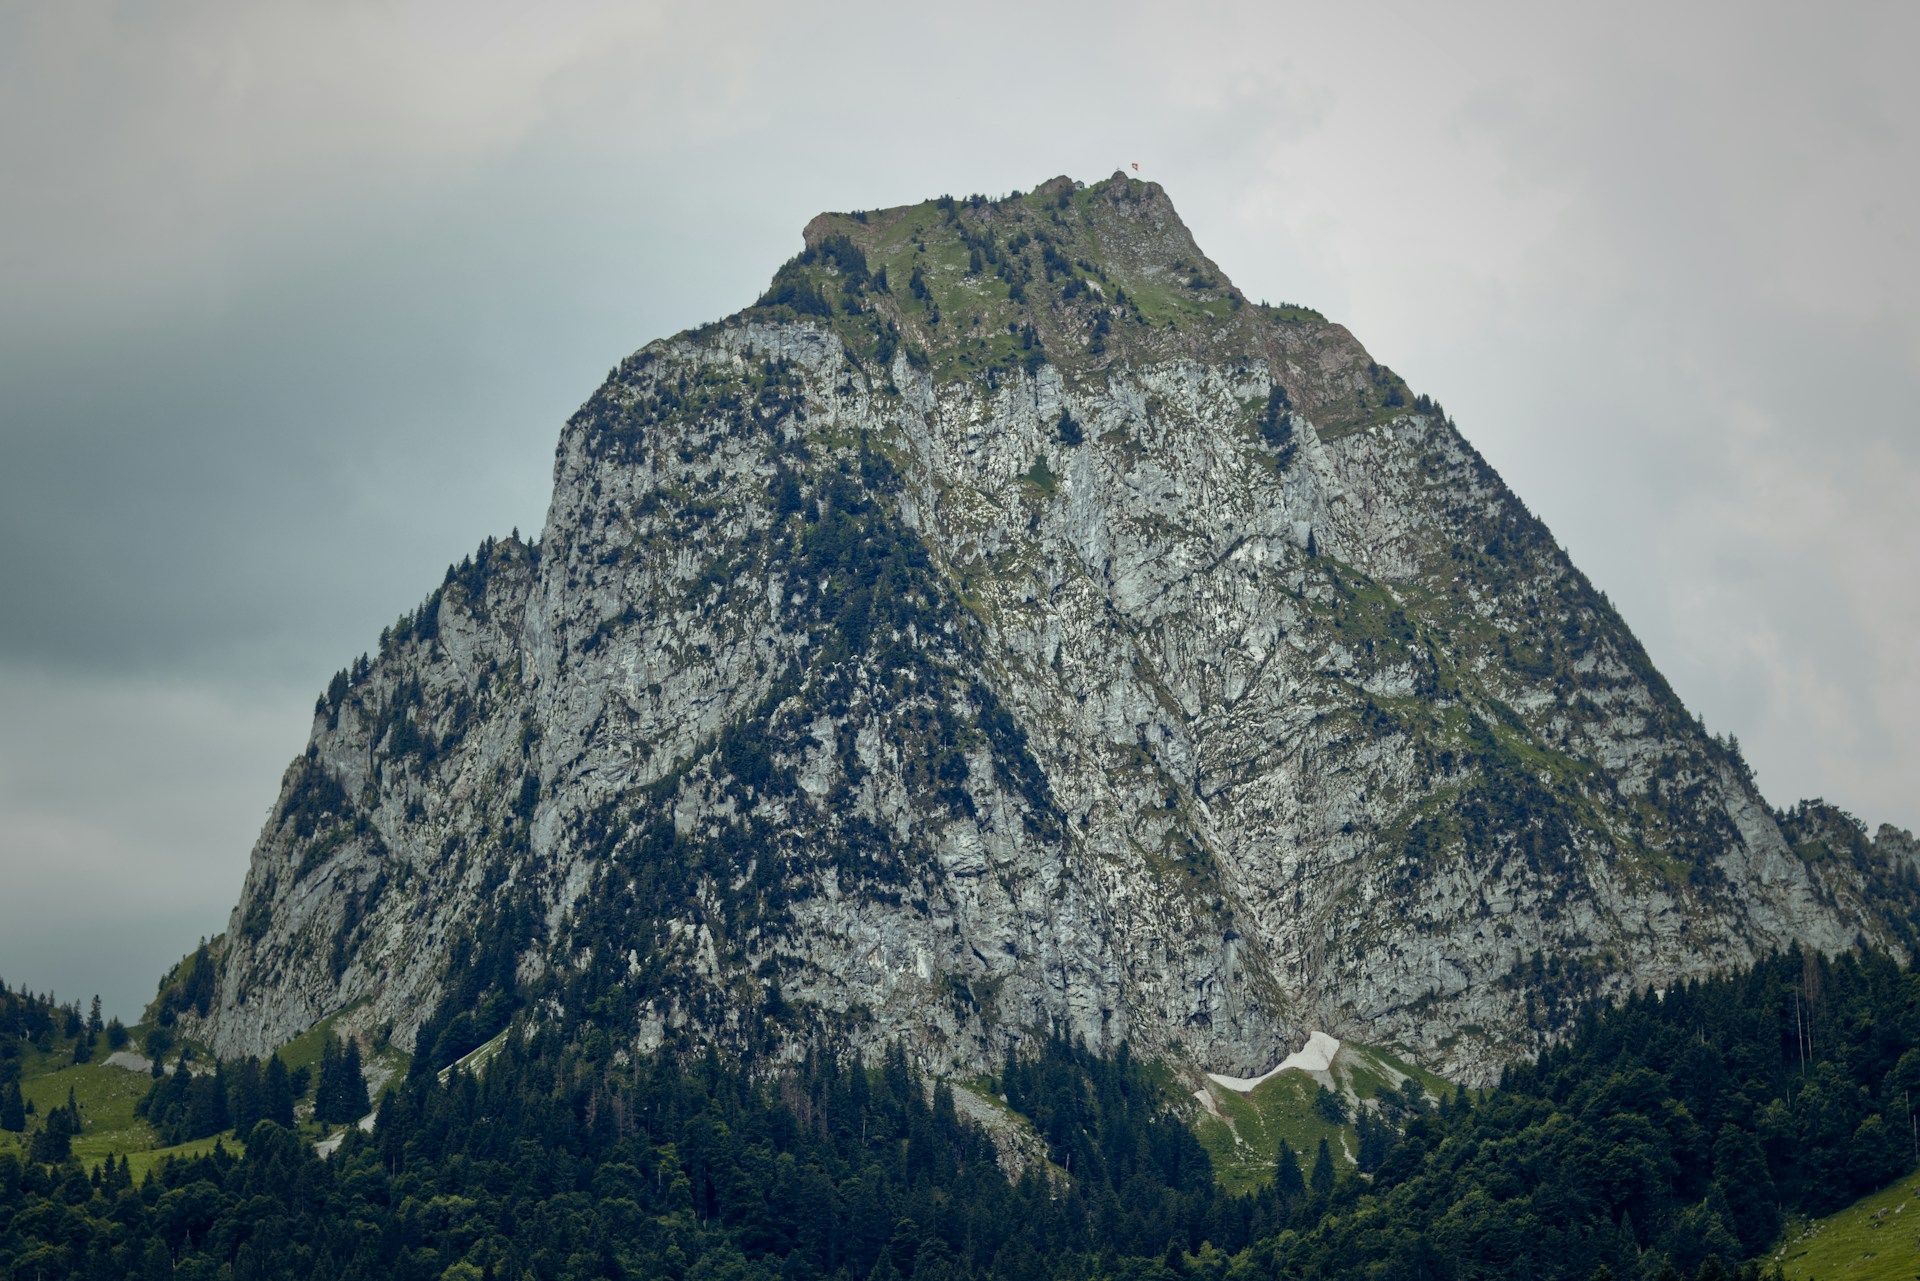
pixel 1005 625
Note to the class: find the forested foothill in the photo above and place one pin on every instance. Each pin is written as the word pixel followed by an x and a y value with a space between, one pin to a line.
pixel 1673 1136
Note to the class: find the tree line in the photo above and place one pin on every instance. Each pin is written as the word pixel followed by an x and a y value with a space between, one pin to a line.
pixel 1665 1138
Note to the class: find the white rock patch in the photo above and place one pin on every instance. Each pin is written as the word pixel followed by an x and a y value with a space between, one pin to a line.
pixel 1314 1058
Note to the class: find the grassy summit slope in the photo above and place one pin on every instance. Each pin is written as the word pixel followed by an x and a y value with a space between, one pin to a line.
pixel 1082 278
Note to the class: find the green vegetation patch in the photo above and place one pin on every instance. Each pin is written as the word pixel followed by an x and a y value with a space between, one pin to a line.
pixel 1876 1239
pixel 1242 1132
pixel 1041 478
pixel 1244 1137
pixel 304 1051
pixel 106 1097
pixel 142 1163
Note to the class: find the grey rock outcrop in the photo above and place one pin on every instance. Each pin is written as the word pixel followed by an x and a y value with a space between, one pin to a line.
pixel 1006 625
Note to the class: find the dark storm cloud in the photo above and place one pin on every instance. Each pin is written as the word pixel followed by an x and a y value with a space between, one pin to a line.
pixel 293 300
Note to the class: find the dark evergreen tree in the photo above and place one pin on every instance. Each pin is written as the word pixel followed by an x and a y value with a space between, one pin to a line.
pixel 207 1104
pixel 1288 1183
pixel 193 985
pixel 183 1105
pixel 325 1092
pixel 13 1108
pixel 1742 1180
pixel 53 1141
pixel 156 1261
pixel 340 1098
pixel 1376 1139
pixel 353 1082
pixel 1876 1156
pixel 1320 1182
pixel 277 1093
pixel 246 1095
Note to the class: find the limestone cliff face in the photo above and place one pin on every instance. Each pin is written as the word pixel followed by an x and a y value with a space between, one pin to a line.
pixel 1005 624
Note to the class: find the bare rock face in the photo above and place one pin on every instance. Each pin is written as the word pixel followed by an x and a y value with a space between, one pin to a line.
pixel 1895 845
pixel 1006 625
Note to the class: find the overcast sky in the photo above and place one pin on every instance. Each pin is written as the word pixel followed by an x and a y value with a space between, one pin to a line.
pixel 294 299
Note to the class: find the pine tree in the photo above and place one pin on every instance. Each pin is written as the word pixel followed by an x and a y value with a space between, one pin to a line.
pixel 341 1096
pixel 1288 1183
pixel 13 1108
pixel 157 1263
pixel 326 1089
pixel 53 1142
pixel 246 1098
pixel 277 1094
pixel 353 1084
pixel 883 1269
pixel 207 1104
pixel 95 1024
pixel 1321 1180
pixel 1375 1140
pixel 1741 1177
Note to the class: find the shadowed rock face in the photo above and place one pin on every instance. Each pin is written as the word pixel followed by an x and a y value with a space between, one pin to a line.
pixel 1006 624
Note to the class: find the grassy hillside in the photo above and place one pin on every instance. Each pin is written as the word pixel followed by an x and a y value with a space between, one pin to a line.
pixel 1242 1132
pixel 1875 1239
pixel 108 1096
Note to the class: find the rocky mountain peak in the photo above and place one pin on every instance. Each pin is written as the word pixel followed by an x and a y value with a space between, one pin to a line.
pixel 1003 625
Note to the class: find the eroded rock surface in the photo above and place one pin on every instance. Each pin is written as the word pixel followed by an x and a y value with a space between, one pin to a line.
pixel 1004 625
